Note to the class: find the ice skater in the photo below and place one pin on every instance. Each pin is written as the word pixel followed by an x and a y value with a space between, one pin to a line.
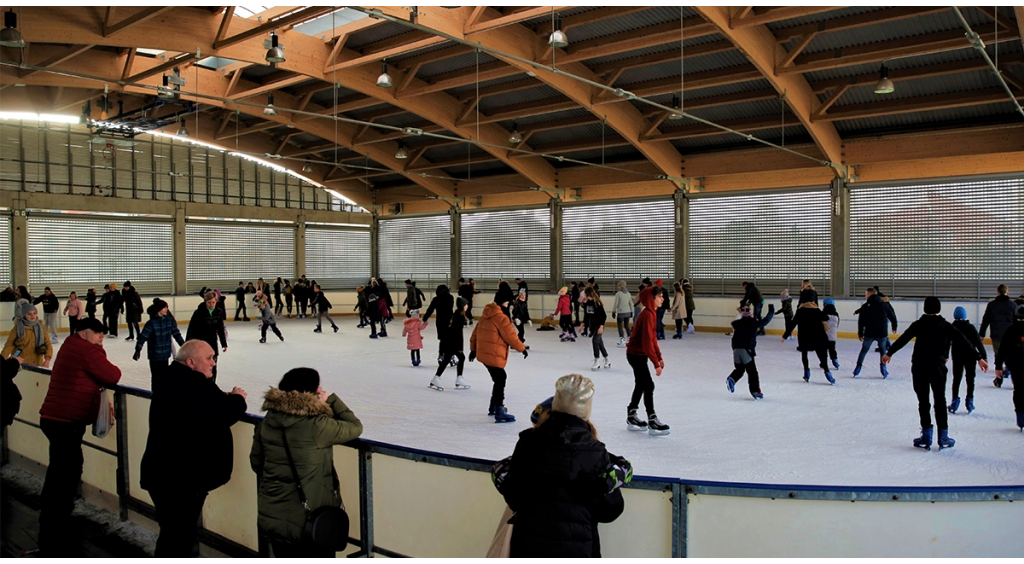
pixel 157 334
pixel 811 337
pixel 643 346
pixel 873 327
pixel 267 321
pixel 288 296
pixel 598 318
pixel 744 345
pixel 361 306
pixel 623 312
pixel 322 307
pixel 563 312
pixel 787 306
pixel 833 330
pixel 691 306
pixel 411 328
pixel 373 313
pixel 678 309
pixel 491 338
pixel 928 367
pixel 1012 354
pixel 963 361
pixel 452 345
pixel 998 316
pixel 520 314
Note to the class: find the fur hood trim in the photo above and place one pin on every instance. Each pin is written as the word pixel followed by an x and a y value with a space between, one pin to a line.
pixel 808 305
pixel 302 404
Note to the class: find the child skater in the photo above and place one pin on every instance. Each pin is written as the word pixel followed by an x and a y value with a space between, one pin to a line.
pixel 322 307
pixel 361 305
pixel 491 338
pixel 564 313
pixel 520 314
pixel 373 313
pixel 787 307
pixel 73 309
pixel 678 309
pixel 597 321
pixel 833 329
pixel 411 328
pixel 643 346
pixel 963 359
pixel 288 299
pixel 588 311
pixel 811 336
pixel 744 345
pixel 623 312
pixel 452 347
pixel 928 368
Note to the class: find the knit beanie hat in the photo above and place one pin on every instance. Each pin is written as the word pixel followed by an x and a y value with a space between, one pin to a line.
pixel 932 305
pixel 540 409
pixel 522 291
pixel 504 294
pixel 785 293
pixel 159 304
pixel 574 394
pixel 300 380
pixel 461 303
pixel 959 313
pixel 24 307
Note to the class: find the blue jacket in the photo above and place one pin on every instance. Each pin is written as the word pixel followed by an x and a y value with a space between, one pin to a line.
pixel 158 331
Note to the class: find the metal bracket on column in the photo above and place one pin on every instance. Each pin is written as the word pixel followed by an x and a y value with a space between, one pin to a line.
pixel 555 193
pixel 690 185
pixel 453 202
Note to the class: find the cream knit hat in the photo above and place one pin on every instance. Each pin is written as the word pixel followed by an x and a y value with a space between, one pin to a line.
pixel 574 394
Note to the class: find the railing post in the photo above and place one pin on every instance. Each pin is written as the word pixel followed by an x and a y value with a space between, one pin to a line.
pixel 679 525
pixel 121 427
pixel 366 501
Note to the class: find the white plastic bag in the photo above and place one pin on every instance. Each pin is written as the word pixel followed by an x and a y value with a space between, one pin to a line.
pixel 105 416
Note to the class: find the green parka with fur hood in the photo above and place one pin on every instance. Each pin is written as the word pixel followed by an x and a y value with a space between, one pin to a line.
pixel 313 428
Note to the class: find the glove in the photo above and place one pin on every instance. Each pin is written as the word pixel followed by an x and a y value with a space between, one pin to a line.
pixel 618 473
pixel 500 472
pixel 518 323
pixel 526 353
pixel 136 355
pixel 472 356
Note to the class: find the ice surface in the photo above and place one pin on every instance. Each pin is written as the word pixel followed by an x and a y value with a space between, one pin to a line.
pixel 856 433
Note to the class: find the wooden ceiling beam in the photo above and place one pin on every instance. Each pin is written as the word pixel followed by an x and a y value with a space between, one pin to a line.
pixel 917 104
pixel 516 111
pixel 701 130
pixel 642 38
pixel 510 19
pixel 694 81
pixel 778 14
pixel 664 57
pixel 290 19
pixel 1018 11
pixel 63 55
pixel 137 18
pixel 462 77
pixel 160 69
pixel 869 79
pixel 269 87
pixel 522 84
pixel 600 14
pixel 859 20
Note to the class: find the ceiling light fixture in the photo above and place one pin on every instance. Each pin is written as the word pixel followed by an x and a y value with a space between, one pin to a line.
pixel 276 53
pixel 884 85
pixel 10 36
pixel 558 39
pixel 182 130
pixel 401 154
pixel 515 138
pixel 86 113
pixel 677 104
pixel 384 80
pixel 270 110
pixel 308 167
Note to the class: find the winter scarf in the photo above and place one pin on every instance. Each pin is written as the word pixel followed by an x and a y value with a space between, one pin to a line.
pixel 23 309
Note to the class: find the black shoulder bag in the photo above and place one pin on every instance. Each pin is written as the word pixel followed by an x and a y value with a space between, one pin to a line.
pixel 327 526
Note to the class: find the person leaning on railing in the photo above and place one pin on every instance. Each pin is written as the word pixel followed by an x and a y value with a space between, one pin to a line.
pixel 308 422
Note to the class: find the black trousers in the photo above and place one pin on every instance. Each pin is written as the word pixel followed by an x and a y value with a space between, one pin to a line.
pixel 832 350
pixel 597 340
pixel 1018 386
pixel 754 382
pixel 156 368
pixel 302 305
pixel 110 322
pixel 133 328
pixel 241 309
pixel 499 377
pixel 273 327
pixel 565 322
pixel 288 302
pixel 521 329
pixel 822 358
pixel 445 359
pixel 288 550
pixel 178 513
pixel 959 368
pixel 63 474
pixel 643 383
pixel 414 354
pixel 688 320
pixel 930 379
pixel 279 306
pixel 73 324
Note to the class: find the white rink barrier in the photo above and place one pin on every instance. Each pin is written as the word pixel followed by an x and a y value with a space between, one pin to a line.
pixel 407 502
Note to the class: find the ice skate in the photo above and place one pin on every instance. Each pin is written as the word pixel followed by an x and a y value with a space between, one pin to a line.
pixel 416 363
pixel 655 427
pixel 597 364
pixel 954 405
pixel 622 343
pixel 690 329
pixel 435 384
pixel 382 334
pixel 856 371
pixel 1020 421
pixel 885 371
pixel 807 374
pixel 263 340
pixel 828 376
pixel 731 384
pixel 460 383
pixel 501 415
pixel 925 440
pixel 373 335
pixel 970 405
pixel 281 337
pixel 607 363
pixel 835 363
pixel 317 330
pixel 944 440
pixel 678 335
pixel 490 409
pixel 335 328
pixel 757 395
pixel 997 382
pixel 634 423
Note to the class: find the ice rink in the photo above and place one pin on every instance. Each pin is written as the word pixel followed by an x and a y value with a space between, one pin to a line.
pixel 855 433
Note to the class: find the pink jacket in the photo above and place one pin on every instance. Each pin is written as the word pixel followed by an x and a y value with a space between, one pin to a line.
pixel 411 328
pixel 73 308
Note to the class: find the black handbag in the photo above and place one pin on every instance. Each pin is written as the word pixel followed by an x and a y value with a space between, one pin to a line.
pixel 326 526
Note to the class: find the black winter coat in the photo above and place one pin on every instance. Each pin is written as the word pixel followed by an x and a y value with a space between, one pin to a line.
pixel 744 331
pixel 90 302
pixel 752 295
pixel 444 304
pixel 999 314
pixel 50 303
pixel 10 396
pixel 112 302
pixel 132 304
pixel 556 487
pixel 934 335
pixel 451 335
pixel 809 323
pixel 968 354
pixel 207 327
pixel 873 320
pixel 1011 351
pixel 189 447
pixel 597 318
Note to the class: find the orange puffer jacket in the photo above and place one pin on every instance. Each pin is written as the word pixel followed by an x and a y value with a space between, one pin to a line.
pixel 492 337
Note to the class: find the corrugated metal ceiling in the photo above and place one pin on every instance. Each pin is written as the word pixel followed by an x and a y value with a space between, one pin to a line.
pixel 630 22
pixel 927 118
pixel 543 92
pixel 692 65
pixel 465 61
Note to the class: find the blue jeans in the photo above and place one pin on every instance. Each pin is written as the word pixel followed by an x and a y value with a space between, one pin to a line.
pixel 757 315
pixel 661 323
pixel 883 346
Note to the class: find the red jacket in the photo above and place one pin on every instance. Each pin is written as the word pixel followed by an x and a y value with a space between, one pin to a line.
pixel 80 369
pixel 644 340
pixel 563 305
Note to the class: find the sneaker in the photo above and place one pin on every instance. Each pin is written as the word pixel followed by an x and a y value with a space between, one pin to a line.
pixel 954 405
pixel 828 376
pixel 856 371
pixel 970 405
pixel 501 415
pixel 656 427
pixel 731 384
pixel 634 423
pixel 597 364
pixel 460 384
pixel 435 384
pixel 885 371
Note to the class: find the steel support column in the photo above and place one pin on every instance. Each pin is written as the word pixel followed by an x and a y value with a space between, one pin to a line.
pixel 840 193
pixel 556 244
pixel 455 239
pixel 300 245
pixel 682 225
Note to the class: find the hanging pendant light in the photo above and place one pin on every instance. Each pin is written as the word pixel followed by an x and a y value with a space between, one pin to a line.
pixel 270 110
pixel 308 167
pixel 276 53
pixel 884 85
pixel 515 138
pixel 182 130
pixel 384 80
pixel 10 36
pixel 402 153
pixel 677 104
pixel 558 39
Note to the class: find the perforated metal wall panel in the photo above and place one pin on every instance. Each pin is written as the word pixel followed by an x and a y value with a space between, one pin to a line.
pixel 76 254
pixel 221 254
pixel 774 240
pixel 337 258
pixel 612 242
pixel 506 244
pixel 415 247
pixel 5 249
pixel 950 239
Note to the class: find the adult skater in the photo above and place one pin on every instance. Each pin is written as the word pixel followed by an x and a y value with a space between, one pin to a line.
pixel 413 297
pixel 678 309
pixel 132 309
pixel 691 306
pixel 491 339
pixel 873 327
pixel 999 315
pixel 207 324
pixel 385 294
pixel 787 306
pixel 575 291
pixel 373 312
pixel 623 310
pixel 288 296
pixel 928 367
pixel 520 314
pixel 113 306
pixel 240 308
pixel 1012 354
pixel 158 332
pixel 752 295
pixel 643 346
pixel 301 293
pixel 598 317
pixel 744 349
pixel 963 359
pixel 811 336
pixel 452 346
pixel 51 310
pixel 807 292
pixel 466 291
pixel 322 306
pixel 278 305
pixel 666 300
pixel 443 303
pixel 521 286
